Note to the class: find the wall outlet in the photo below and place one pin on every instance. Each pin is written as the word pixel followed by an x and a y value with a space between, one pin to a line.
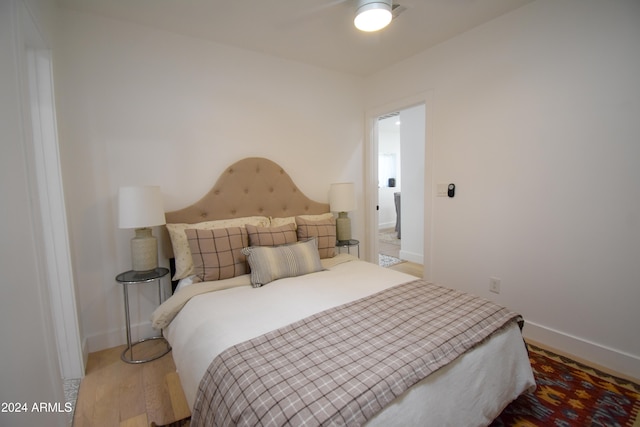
pixel 494 285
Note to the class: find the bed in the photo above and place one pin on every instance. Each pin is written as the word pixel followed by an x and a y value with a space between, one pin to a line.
pixel 279 329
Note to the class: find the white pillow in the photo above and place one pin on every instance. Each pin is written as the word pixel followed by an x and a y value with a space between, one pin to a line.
pixel 181 250
pixel 278 222
pixel 183 283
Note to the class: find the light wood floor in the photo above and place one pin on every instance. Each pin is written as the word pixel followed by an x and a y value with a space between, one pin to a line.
pixel 119 394
pixel 393 249
pixel 410 268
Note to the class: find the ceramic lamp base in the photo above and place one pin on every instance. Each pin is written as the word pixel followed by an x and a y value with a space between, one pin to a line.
pixel 343 227
pixel 144 250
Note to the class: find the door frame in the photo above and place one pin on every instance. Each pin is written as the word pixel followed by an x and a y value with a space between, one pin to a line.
pixel 42 151
pixel 371 174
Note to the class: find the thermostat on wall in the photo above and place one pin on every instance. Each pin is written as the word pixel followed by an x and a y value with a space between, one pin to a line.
pixel 445 190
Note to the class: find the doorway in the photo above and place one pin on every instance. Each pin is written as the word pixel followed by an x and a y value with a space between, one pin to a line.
pixel 389 189
pixel 401 143
pixel 36 65
pixel 398 172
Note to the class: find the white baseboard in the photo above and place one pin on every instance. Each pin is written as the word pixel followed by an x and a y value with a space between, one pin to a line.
pixel 411 256
pixel 118 337
pixel 612 359
pixel 85 355
pixel 386 225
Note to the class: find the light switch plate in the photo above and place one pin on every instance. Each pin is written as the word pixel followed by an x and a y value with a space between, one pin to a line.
pixel 442 190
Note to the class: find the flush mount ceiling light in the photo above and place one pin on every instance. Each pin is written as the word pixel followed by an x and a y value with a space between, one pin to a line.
pixel 372 15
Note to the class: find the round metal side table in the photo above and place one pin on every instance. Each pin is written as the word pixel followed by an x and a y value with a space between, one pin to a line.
pixel 348 244
pixel 135 278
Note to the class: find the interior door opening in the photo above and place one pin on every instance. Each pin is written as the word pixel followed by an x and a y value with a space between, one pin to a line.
pixel 398 173
pixel 389 189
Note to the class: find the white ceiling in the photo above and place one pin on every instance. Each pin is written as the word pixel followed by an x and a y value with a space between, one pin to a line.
pixel 317 32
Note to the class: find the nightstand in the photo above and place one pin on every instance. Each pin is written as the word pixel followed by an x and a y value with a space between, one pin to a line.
pixel 127 279
pixel 348 244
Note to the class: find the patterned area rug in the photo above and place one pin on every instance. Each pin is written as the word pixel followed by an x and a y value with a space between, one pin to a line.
pixel 182 423
pixel 571 394
pixel 71 388
pixel 388 261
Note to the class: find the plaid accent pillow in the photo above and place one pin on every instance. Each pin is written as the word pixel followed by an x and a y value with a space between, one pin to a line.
pixel 217 254
pixel 269 263
pixel 324 231
pixel 277 222
pixel 181 251
pixel 272 236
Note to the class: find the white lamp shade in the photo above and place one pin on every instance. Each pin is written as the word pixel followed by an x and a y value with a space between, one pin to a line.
pixel 373 15
pixel 342 197
pixel 140 207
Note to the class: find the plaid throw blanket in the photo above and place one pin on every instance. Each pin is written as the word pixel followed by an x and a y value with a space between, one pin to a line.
pixel 343 365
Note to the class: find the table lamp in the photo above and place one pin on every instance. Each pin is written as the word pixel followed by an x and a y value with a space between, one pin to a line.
pixel 342 199
pixel 141 208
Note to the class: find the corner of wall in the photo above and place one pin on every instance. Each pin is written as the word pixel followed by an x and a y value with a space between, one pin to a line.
pixel 609 358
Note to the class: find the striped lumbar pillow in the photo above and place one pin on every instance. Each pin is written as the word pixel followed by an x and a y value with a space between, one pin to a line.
pixel 271 263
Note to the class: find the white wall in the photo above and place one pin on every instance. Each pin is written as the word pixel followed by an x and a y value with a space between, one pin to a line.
pixel 388 143
pixel 412 140
pixel 29 368
pixel 536 121
pixel 140 106
pixel 386 201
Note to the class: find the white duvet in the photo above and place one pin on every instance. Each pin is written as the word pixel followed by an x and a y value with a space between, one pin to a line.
pixel 471 391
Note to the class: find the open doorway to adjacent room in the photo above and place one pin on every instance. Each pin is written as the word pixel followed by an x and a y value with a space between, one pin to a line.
pixel 389 189
pixel 401 188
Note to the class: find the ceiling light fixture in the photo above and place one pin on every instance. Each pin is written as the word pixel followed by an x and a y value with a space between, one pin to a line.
pixel 372 15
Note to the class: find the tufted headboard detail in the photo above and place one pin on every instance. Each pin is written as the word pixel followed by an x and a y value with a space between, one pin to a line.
pixel 252 186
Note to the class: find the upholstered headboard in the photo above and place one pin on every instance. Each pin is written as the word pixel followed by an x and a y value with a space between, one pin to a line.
pixel 252 186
